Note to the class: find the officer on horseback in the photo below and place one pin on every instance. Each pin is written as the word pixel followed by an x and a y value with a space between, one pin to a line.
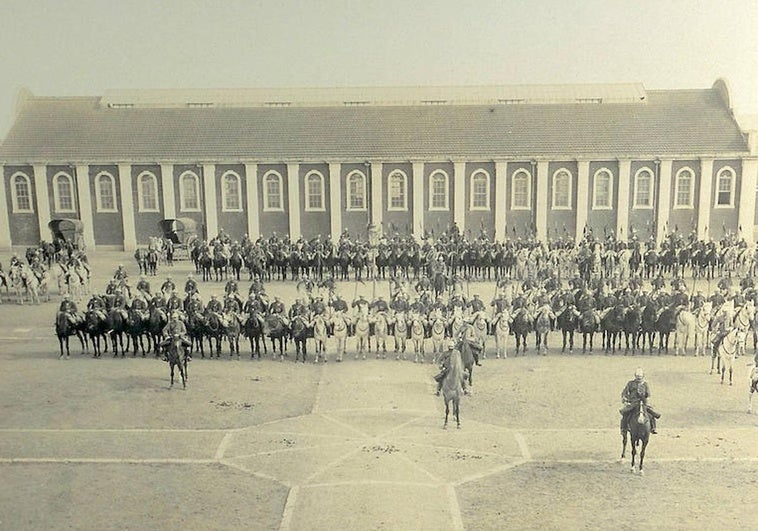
pixel 636 391
pixel 69 308
pixel 144 286
pixel 444 364
pixel 175 329
pixel 190 286
pixel 120 273
pixel 168 287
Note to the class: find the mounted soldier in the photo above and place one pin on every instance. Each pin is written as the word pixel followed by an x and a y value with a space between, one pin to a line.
pixel 168 287
pixel 97 305
pixel 636 391
pixel 119 274
pixel 175 328
pixel 68 307
pixel 190 285
pixel 143 286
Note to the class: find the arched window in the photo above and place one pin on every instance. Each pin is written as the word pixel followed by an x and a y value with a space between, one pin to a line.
pixel 397 191
pixel 725 188
pixel 105 192
pixel 189 192
pixel 356 191
pixel 521 190
pixel 314 191
pixel 684 189
pixel 602 193
pixel 63 193
pixel 272 192
pixel 21 193
pixel 439 191
pixel 644 183
pixel 147 192
pixel 480 190
pixel 562 190
pixel 231 192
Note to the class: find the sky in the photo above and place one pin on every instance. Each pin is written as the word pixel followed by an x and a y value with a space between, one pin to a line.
pixel 85 47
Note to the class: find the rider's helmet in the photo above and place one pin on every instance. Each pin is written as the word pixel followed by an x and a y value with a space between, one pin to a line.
pixel 639 374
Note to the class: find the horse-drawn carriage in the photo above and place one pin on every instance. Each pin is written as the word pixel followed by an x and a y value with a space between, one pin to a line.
pixel 182 232
pixel 69 231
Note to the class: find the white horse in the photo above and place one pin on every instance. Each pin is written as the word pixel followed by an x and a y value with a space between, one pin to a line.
pixel 727 351
pixel 702 328
pixel 340 322
pixel 416 325
pixel 686 323
pixel 401 334
pixel 319 338
pixel 438 334
pixel 502 324
pixel 362 335
pixel 381 327
pixel 480 328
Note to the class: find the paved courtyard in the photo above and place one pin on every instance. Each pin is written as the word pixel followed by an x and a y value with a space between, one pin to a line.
pixel 105 444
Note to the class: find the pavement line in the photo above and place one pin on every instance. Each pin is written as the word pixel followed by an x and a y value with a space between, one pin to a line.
pixel 289 509
pixel 369 482
pixel 490 472
pixel 116 430
pixel 231 464
pixel 287 450
pixel 222 446
pixel 317 399
pixel 526 454
pixel 418 467
pixel 345 425
pixel 105 460
pixel 455 507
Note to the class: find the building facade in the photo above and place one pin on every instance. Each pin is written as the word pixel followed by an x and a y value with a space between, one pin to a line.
pixel 514 162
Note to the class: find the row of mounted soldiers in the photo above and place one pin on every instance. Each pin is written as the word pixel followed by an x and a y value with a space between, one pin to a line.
pixel 480 258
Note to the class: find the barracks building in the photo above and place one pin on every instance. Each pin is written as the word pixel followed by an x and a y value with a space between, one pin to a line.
pixel 512 161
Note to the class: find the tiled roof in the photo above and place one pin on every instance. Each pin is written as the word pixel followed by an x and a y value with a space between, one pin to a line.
pixel 676 122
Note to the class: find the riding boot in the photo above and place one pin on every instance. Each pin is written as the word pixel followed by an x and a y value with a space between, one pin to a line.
pixel 652 425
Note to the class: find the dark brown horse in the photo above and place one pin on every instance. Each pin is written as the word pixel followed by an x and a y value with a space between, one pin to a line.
pixel 638 428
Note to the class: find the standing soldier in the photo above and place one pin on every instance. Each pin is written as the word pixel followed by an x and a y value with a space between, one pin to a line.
pixel 168 246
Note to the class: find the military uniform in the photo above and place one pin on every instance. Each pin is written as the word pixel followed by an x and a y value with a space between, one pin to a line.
pixel 190 286
pixel 168 286
pixel 338 305
pixel 69 308
pixel 634 392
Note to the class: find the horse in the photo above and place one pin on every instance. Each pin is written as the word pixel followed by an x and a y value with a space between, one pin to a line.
pixel 522 324
pixel 381 327
pixel 232 332
pixel 631 327
pixel 137 331
pixel 214 329
pixel 31 284
pixel 275 329
pixel 140 255
pixel 205 264
pixel 727 352
pixel 152 262
pixel 417 331
pixel 156 322
pixel 174 351
pixel 319 337
pixel 438 326
pixel 300 331
pixel 502 330
pixel 253 330
pixel 567 321
pixel 638 427
pixel 611 324
pixel 452 387
pixel 543 323
pixel 96 327
pixel 235 262
pixel 117 325
pixel 64 329
pixel 665 325
pixel 340 323
pixel 220 263
pixel 362 331
pixel 400 334
pixel 702 328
